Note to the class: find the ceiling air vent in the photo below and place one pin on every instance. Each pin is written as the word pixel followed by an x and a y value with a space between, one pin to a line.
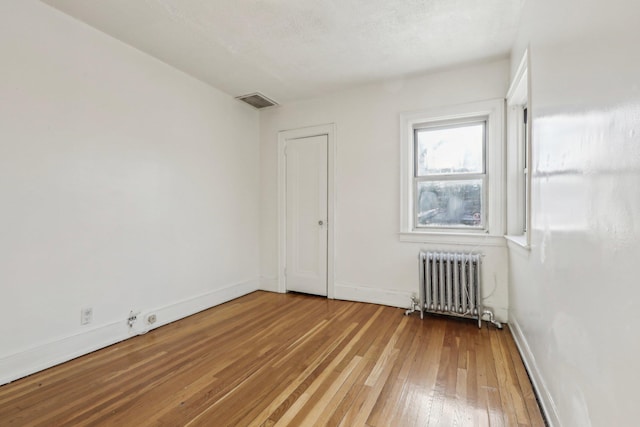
pixel 257 100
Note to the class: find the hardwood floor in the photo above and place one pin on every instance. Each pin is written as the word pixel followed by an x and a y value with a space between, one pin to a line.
pixel 272 359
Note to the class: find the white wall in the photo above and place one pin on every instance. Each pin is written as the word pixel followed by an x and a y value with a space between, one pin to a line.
pixel 124 184
pixel 574 297
pixel 371 264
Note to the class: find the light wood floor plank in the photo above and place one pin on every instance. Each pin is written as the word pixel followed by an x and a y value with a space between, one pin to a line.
pixel 287 360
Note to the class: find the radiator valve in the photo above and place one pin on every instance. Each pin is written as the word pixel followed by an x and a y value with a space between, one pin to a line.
pixel 415 305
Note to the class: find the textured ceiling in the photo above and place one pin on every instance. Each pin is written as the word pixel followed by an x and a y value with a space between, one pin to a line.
pixel 292 49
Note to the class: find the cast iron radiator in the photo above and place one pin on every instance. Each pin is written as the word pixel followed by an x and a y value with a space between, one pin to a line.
pixel 450 284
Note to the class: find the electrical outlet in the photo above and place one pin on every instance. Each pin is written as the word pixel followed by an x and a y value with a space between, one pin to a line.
pixel 151 319
pixel 86 315
pixel 132 318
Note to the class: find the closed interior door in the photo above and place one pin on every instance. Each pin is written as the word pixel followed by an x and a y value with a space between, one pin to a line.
pixel 306 215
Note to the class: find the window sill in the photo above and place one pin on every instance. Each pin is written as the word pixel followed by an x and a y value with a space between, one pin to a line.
pixel 464 239
pixel 518 242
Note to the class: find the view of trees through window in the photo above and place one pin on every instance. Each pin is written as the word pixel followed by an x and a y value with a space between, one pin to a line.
pixel 449 175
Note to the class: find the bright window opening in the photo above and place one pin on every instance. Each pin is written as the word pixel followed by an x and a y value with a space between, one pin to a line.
pixel 452 174
pixel 449 175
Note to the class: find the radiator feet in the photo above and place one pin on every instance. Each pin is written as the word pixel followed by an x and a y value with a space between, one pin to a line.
pixel 415 306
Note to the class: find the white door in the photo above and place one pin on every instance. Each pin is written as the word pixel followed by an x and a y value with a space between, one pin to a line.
pixel 306 215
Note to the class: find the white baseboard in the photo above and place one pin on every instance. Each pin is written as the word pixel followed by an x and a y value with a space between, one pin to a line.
pixel 544 397
pixel 388 297
pixel 189 306
pixel 46 355
pixel 269 284
pixel 49 354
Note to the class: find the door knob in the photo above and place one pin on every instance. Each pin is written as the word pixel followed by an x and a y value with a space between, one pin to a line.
pixel 320 222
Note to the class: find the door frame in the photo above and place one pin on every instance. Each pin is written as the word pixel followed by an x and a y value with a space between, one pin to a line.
pixel 283 136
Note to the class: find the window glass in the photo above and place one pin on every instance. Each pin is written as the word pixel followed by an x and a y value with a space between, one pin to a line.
pixel 450 203
pixel 450 150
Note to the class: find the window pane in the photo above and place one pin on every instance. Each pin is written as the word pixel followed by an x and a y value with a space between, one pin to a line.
pixel 450 150
pixel 449 203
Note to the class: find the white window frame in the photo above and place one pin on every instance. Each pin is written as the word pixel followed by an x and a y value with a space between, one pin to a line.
pixel 493 204
pixel 519 157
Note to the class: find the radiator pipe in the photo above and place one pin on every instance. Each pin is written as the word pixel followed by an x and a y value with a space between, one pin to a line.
pixel 491 319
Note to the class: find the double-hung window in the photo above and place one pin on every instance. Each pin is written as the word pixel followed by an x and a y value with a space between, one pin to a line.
pixel 452 174
pixel 449 174
pixel 519 157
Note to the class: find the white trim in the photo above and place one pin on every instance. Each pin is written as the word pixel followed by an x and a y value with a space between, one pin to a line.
pixel 495 159
pixel 178 310
pixel 518 97
pixel 46 355
pixel 518 243
pixel 283 136
pixel 540 387
pixel 35 359
pixel 452 238
pixel 393 298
